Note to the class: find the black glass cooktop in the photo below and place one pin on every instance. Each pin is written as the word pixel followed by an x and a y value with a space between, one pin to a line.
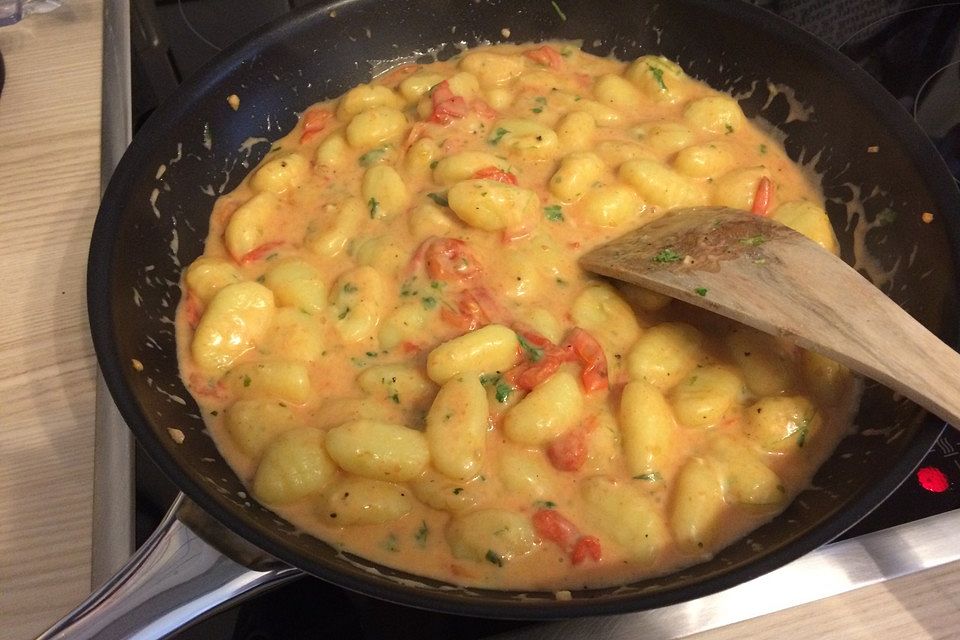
pixel 911 48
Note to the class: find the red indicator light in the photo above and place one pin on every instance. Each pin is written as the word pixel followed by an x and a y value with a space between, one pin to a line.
pixel 932 479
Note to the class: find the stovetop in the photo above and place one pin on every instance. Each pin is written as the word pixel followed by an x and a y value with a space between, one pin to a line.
pixel 910 47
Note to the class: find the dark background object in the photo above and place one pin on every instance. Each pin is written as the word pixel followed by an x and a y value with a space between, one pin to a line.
pixel 859 479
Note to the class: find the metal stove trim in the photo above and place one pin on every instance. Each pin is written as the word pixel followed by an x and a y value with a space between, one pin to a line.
pixel 113 483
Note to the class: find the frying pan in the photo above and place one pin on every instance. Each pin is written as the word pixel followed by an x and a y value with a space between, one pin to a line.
pixel 878 173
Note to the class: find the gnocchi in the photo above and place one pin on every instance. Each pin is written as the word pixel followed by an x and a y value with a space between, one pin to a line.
pixel 391 342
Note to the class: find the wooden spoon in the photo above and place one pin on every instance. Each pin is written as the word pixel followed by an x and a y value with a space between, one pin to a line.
pixel 766 275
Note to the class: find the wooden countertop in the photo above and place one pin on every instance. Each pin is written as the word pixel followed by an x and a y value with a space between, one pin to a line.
pixel 49 193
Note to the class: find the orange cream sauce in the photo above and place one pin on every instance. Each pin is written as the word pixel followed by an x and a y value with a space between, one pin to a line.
pixel 392 343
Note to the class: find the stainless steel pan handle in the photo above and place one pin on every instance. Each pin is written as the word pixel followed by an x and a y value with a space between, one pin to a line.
pixel 175 579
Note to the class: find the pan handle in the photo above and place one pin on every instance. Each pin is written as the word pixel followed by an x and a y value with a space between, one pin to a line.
pixel 173 580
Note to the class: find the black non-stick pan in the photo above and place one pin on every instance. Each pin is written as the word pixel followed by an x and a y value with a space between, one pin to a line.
pixel 879 173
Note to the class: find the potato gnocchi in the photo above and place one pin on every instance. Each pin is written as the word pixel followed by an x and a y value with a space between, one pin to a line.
pixel 393 346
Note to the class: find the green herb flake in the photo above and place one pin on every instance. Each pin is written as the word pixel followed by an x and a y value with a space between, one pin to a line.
pixel 802 430
pixel 407 288
pixel 457 491
pixel 728 127
pixel 492 557
pixel 885 217
pixel 261 279
pixel 545 504
pixel 343 314
pixel 421 535
pixel 566 52
pixel 498 135
pixel 436 284
pixel 429 302
pixel 439 198
pixel 394 397
pixel 502 391
pixel 533 353
pixel 701 291
pixel 667 255
pixel 501 388
pixel 553 213
pixel 374 207
pixel 657 73
pixel 214 413
pixel 391 543
pixel 653 476
pixel 350 288
pixel 246 381
pixel 433 164
pixel 372 157
pixel 763 148
pixel 541 102
pixel 754 241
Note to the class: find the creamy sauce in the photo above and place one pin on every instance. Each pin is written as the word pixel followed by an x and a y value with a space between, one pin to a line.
pixel 393 346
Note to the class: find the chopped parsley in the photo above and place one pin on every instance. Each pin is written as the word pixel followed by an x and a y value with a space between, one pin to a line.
pixel 545 504
pixel 667 255
pixel 350 288
pixel 541 103
pixel 394 397
pixel 501 389
pixel 653 476
pixel 439 198
pixel 533 353
pixel 553 213
pixel 701 291
pixel 803 429
pixel 433 164
pixel 498 135
pixel 371 157
pixel 457 491
pixel 421 535
pixel 246 381
pixel 406 288
pixel 763 148
pixel 429 302
pixel 391 543
pixel 493 557
pixel 657 73
pixel 728 127
pixel 374 207
pixel 343 314
pixel 754 241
